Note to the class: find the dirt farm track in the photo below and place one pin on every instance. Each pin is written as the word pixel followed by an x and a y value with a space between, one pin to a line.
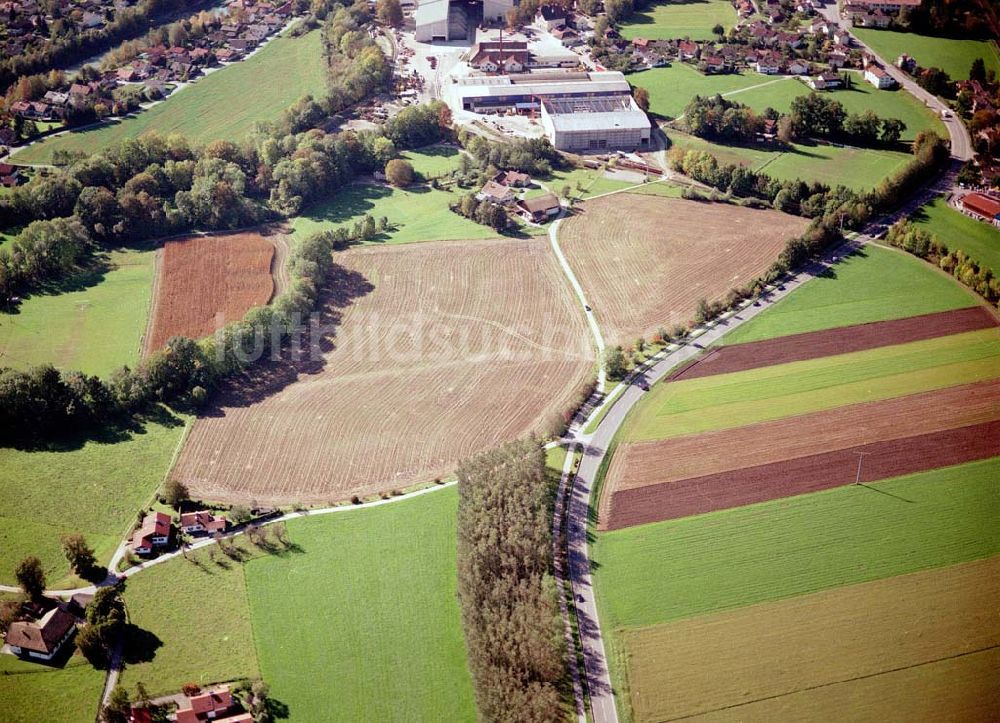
pixel 439 350
pixel 201 277
pixel 645 261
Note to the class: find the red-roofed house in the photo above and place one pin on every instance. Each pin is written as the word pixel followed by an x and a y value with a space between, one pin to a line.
pixel 202 522
pixel 154 532
pixel 214 705
pixel 981 207
pixel 41 639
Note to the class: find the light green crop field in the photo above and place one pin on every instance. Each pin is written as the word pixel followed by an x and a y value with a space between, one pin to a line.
pixel 692 19
pixel 433 161
pixel 31 692
pixel 671 89
pixel 361 623
pixel 731 400
pixel 419 213
pixel 95 325
pixel 860 97
pixel 222 105
pixel 95 489
pixel 857 168
pixel 957 231
pixel 666 571
pixel 197 609
pixel 952 56
pixel 874 284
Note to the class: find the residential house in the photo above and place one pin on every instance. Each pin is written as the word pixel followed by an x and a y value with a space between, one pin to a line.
pixel 798 67
pixel 871 19
pixel 41 639
pixel 202 522
pixel 827 80
pixel 879 77
pixel 891 6
pixel 539 209
pixel 567 36
pixel 769 63
pixel 836 59
pixel 906 63
pixel 215 705
pixel 552 16
pixel 152 534
pixel 981 207
pixel 494 192
pixel 687 49
pixel 714 63
pixel 515 179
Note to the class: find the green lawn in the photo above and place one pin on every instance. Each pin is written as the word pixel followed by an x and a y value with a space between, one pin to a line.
pixel 692 19
pixel 671 89
pixel 953 56
pixel 419 213
pixel 223 105
pixel 198 610
pixel 95 489
pixel 979 240
pixel 433 161
pixel 860 97
pixel 364 624
pixel 856 168
pixel 874 284
pixel 666 571
pixel 723 401
pixel 94 324
pixel 31 693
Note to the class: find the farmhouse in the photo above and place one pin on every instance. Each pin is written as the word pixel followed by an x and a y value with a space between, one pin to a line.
pixel 539 210
pixel 214 705
pixel 595 124
pixel 524 92
pixel 202 522
pixel 496 193
pixel 877 76
pixel 981 207
pixel 153 533
pixel 41 639
pixel 515 179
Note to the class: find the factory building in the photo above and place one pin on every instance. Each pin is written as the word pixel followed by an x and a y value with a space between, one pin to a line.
pixel 595 124
pixel 444 20
pixel 524 92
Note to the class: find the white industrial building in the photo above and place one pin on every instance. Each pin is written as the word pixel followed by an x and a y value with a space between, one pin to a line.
pixel 595 124
pixel 524 92
pixel 444 20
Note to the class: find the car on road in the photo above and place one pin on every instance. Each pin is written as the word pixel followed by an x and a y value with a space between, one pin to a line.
pixel 587 308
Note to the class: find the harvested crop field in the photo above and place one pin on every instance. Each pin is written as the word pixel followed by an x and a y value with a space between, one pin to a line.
pixel 644 261
pixel 650 481
pixel 203 280
pixel 802 645
pixel 864 463
pixel 433 353
pixel 842 340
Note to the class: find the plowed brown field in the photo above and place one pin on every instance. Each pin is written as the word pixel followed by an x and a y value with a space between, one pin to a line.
pixel 442 350
pixel 843 649
pixel 842 340
pixel 202 277
pixel 650 481
pixel 644 262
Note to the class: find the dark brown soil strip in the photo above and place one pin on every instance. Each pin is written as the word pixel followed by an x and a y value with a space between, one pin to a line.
pixel 842 340
pixel 812 473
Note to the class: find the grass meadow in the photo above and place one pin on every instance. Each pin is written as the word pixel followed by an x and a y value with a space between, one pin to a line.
pixel 217 106
pixel 954 56
pixel 671 570
pixel 957 231
pixel 367 604
pixel 433 161
pixel 198 610
pixel 723 401
pixel 30 692
pixel 692 19
pixel 671 89
pixel 874 284
pixel 94 487
pixel 415 214
pixel 93 323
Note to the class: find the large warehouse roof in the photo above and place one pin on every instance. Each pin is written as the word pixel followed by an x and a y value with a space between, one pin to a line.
pixel 431 11
pixel 544 85
pixel 587 114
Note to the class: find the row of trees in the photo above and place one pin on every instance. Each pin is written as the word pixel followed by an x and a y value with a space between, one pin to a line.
pixel 535 156
pixel 507 594
pixel 482 212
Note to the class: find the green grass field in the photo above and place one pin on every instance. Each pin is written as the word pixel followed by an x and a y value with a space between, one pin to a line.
pixel 95 489
pixel 364 624
pixel 723 401
pixel 692 19
pixel 198 609
pixel 433 161
pixel 875 284
pixel 856 168
pixel 30 693
pixel 979 240
pixel 953 56
pixel 671 89
pixel 666 571
pixel 415 214
pixel 217 106
pixel 94 325
pixel 860 97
